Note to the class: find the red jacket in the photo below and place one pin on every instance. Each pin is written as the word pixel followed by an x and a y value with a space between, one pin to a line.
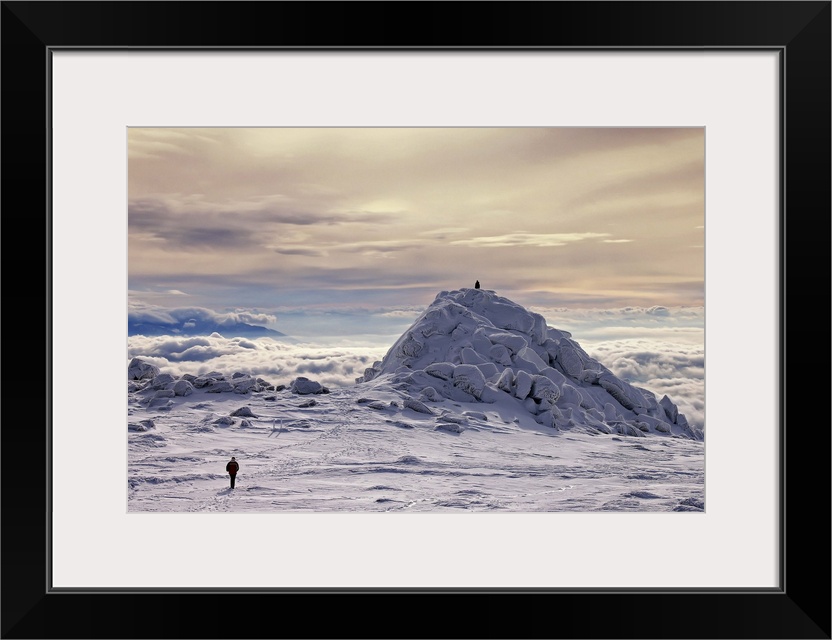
pixel 232 467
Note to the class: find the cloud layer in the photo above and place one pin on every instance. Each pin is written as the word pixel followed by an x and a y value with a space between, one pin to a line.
pixel 277 362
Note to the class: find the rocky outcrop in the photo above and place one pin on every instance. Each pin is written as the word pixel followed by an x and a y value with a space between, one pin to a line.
pixel 473 345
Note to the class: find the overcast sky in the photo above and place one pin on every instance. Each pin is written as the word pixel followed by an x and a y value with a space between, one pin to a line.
pixel 326 223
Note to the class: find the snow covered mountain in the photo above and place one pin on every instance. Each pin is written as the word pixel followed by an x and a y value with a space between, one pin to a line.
pixel 471 344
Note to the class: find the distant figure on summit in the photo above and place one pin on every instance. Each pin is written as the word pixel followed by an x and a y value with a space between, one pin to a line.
pixel 477 284
pixel 232 467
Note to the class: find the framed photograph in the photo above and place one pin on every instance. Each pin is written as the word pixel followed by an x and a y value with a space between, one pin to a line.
pixel 369 356
pixel 204 179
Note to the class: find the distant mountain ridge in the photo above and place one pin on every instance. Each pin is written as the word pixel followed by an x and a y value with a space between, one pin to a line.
pixel 200 327
pixel 473 345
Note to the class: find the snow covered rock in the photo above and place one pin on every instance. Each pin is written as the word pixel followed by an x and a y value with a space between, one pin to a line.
pixel 140 370
pixel 469 379
pixel 522 385
pixel 141 426
pixel 450 427
pixel 183 388
pixel 162 381
pixel 220 386
pixel 429 394
pixel 670 409
pixel 245 385
pixel 416 405
pixel 441 370
pixel 245 412
pixel 531 360
pixel 500 354
pixel 544 389
pixel 305 386
pixel 369 374
pixel 570 361
pixel 506 380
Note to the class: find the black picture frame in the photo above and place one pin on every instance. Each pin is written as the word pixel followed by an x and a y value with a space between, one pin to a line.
pixel 799 608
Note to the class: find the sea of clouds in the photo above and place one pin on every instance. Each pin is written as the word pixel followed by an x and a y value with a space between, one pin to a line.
pixel 277 362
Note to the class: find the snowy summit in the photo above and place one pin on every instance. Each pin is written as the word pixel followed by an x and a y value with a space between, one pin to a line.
pixel 472 344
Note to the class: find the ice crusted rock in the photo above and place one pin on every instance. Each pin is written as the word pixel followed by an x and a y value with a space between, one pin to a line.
pixel 416 405
pixel 162 381
pixel 469 379
pixel 245 385
pixel 529 355
pixel 670 409
pixel 511 342
pixel 500 354
pixel 369 374
pixel 570 361
pixel 441 370
pixel 469 356
pixel 220 386
pixel 522 385
pixel 305 386
pixel 471 345
pixel 201 382
pixel 141 426
pixel 544 389
pixel 410 348
pixel 618 389
pixel 183 388
pixel 506 380
pixel 429 394
pixel 140 370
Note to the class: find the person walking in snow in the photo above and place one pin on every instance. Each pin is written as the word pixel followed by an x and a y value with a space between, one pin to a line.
pixel 232 467
pixel 477 284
